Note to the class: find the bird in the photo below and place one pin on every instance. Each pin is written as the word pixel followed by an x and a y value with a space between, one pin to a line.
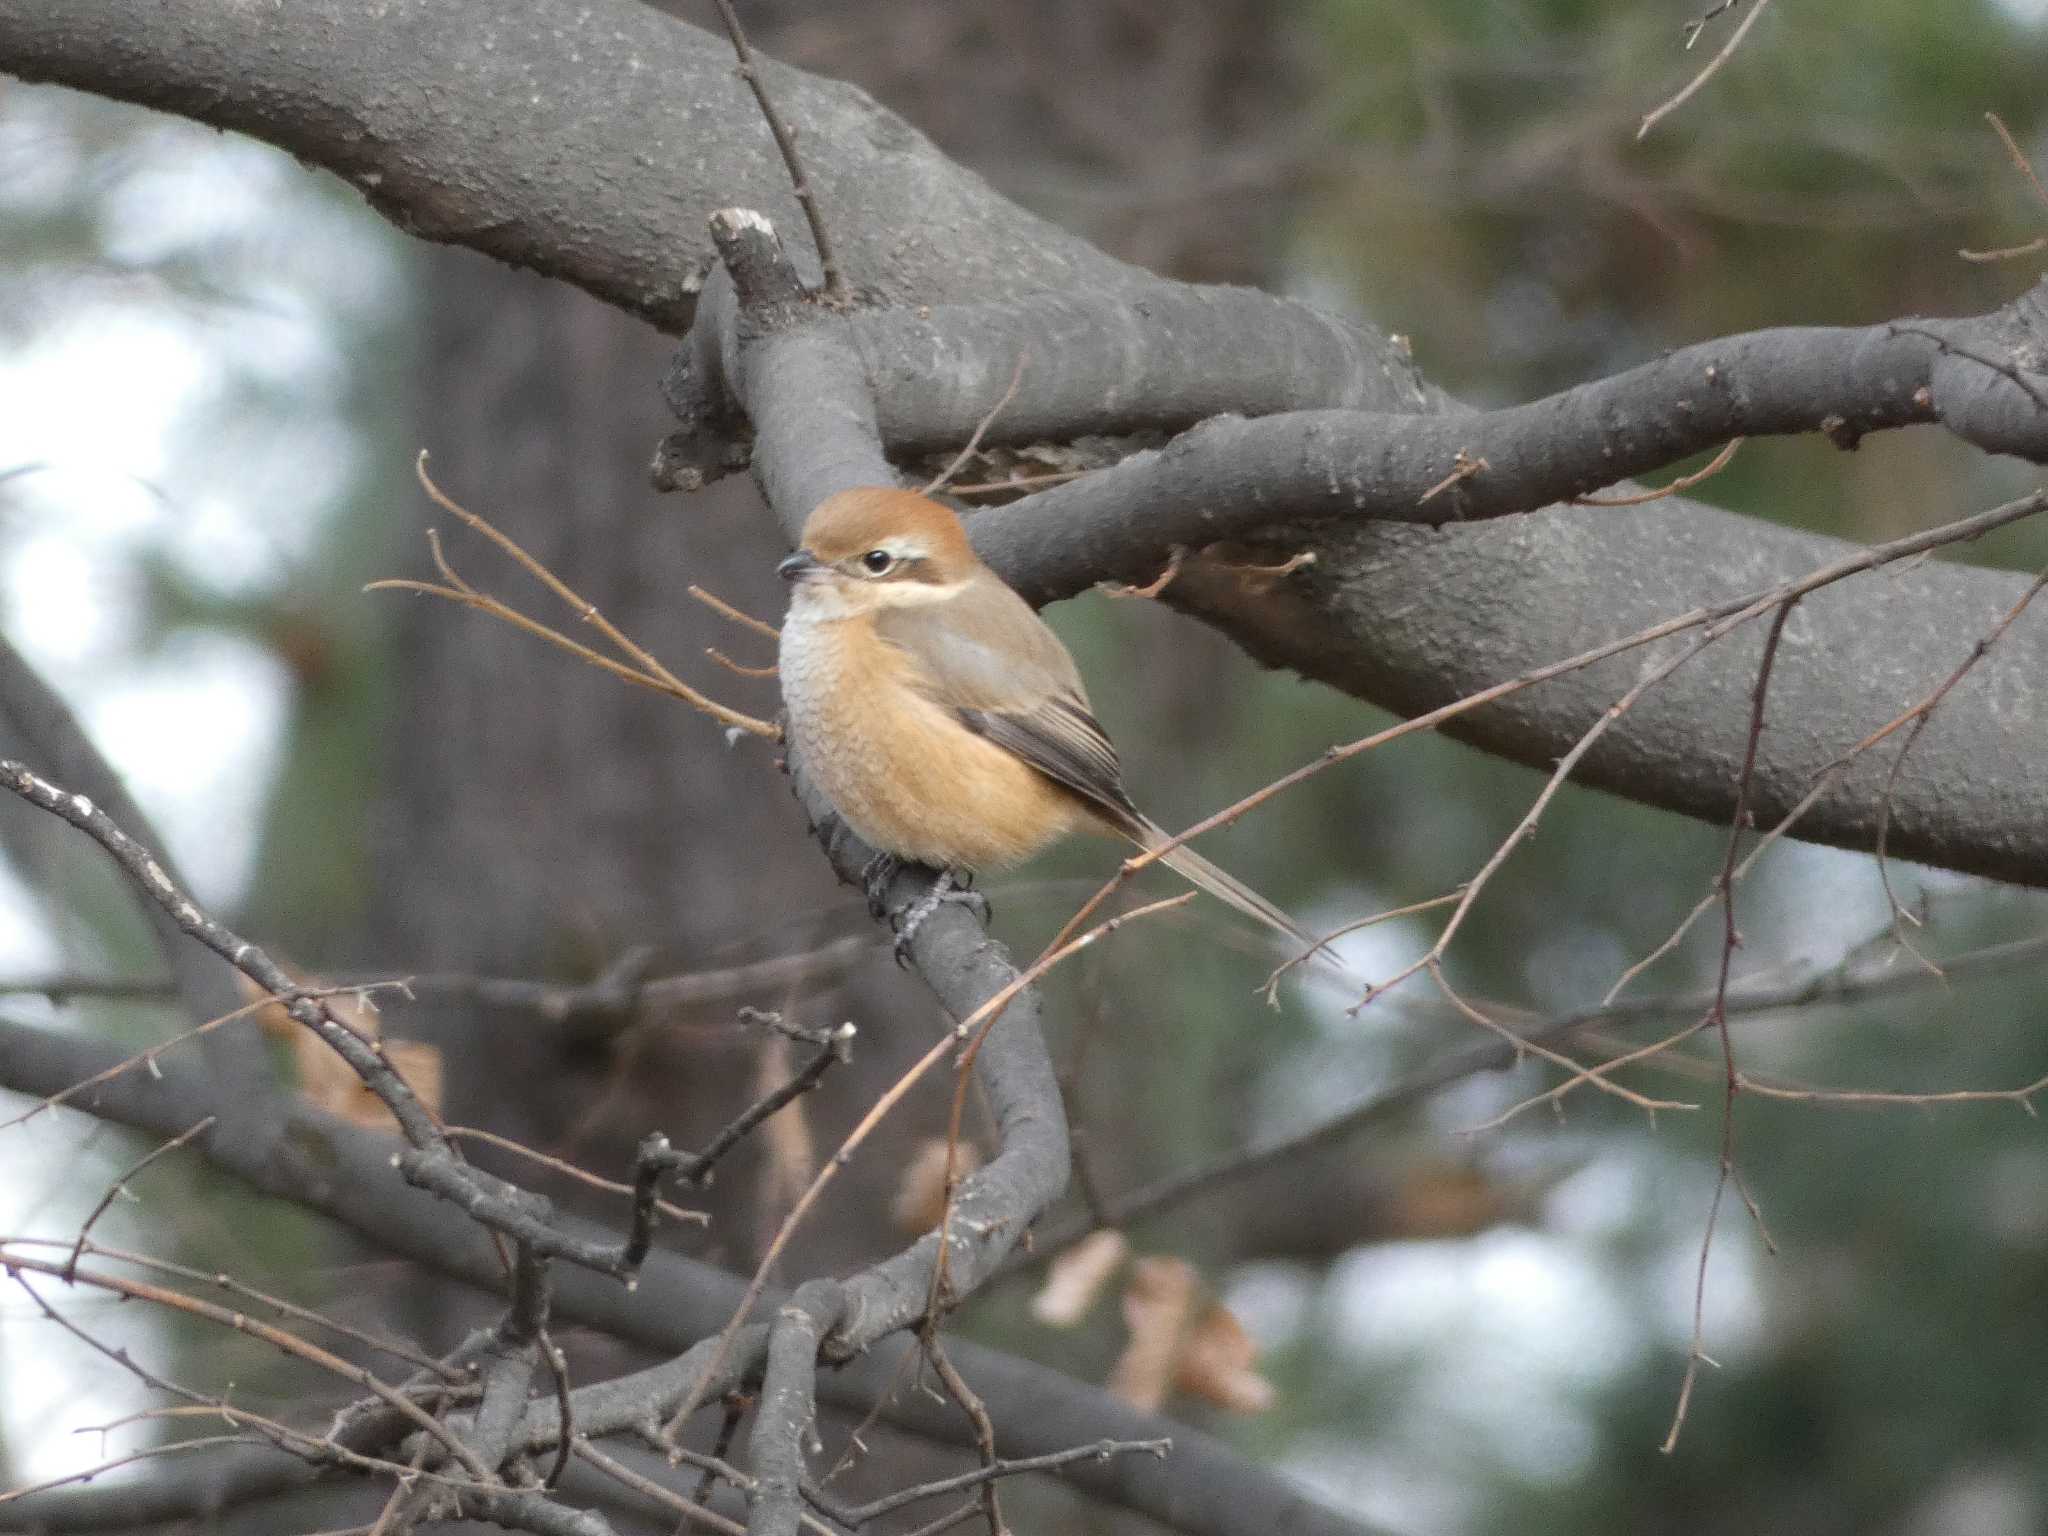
pixel 944 721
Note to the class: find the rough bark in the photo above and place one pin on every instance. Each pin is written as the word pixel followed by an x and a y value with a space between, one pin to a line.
pixel 503 130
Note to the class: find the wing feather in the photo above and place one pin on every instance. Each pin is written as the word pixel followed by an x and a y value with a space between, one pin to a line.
pixel 1012 682
pixel 1062 741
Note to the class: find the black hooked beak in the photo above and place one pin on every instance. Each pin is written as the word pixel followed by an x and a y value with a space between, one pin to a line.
pixel 799 566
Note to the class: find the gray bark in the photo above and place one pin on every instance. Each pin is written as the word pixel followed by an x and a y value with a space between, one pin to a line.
pixel 590 145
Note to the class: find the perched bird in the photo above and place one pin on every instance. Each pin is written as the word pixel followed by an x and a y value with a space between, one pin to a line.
pixel 941 717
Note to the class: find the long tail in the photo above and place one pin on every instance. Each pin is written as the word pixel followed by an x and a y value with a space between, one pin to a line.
pixel 1227 888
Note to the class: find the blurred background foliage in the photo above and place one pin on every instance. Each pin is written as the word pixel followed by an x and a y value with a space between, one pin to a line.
pixel 216 367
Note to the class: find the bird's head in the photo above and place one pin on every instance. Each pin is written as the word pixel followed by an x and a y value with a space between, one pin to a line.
pixel 874 548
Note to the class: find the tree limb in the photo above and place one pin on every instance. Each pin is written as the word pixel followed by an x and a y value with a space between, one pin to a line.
pixel 588 143
pixel 344 1173
pixel 499 128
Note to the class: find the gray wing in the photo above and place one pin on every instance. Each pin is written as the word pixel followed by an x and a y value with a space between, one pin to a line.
pixel 1062 741
pixel 978 680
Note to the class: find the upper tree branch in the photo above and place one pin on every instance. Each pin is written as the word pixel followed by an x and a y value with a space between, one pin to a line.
pixel 1984 378
pixel 587 142
pixel 501 128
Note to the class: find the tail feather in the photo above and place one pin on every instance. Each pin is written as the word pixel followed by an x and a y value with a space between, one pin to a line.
pixel 1230 890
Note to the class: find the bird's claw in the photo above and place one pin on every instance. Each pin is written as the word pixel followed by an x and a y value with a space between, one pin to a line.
pixel 875 880
pixel 950 886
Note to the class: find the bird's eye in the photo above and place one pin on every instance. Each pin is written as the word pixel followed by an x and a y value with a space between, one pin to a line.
pixel 876 561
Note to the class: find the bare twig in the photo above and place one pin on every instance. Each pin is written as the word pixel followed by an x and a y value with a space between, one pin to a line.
pixel 1717 1016
pixel 697 1166
pixel 1019 483
pixel 785 141
pixel 2019 158
pixel 1464 468
pixel 1955 349
pixel 1713 67
pixel 740 669
pixel 146 1058
pixel 938 482
pixel 1178 1189
pixel 1926 713
pixel 723 609
pixel 433 1162
pixel 971 1405
pixel 1677 487
pixel 398 1349
pixel 279 1338
pixel 569 1170
pixel 120 1187
pixel 2023 1096
pixel 661 1493
pixel 1100 1450
pixel 1157 584
pixel 1821 782
pixel 2000 253
pixel 646 670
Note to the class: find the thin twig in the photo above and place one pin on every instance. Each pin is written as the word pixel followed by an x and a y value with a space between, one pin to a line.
pixel 938 482
pixel 785 141
pixel 1820 785
pixel 1713 67
pixel 1464 469
pixel 1682 484
pixel 740 669
pixel 148 1058
pixel 1099 1450
pixel 120 1187
pixel 279 1338
pixel 697 1166
pixel 1177 1189
pixel 1891 782
pixel 1019 483
pixel 398 1349
pixel 661 1493
pixel 1157 585
pixel 973 1407
pixel 2019 158
pixel 569 1170
pixel 433 1162
pixel 1717 1014
pixel 646 669
pixel 723 609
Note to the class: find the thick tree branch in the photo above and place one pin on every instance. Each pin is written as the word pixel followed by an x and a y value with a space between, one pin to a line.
pixel 586 142
pixel 500 129
pixel 1984 378
pixel 1973 795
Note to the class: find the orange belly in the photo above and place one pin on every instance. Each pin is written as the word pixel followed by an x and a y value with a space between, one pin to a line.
pixel 901 771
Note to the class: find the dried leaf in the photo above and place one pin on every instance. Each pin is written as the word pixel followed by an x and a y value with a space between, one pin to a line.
pixel 1216 1364
pixel 326 1081
pixel 1184 1341
pixel 1446 1200
pixel 1077 1276
pixel 1159 1303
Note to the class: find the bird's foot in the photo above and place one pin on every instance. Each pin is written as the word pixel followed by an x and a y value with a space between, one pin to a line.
pixel 875 879
pixel 953 886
